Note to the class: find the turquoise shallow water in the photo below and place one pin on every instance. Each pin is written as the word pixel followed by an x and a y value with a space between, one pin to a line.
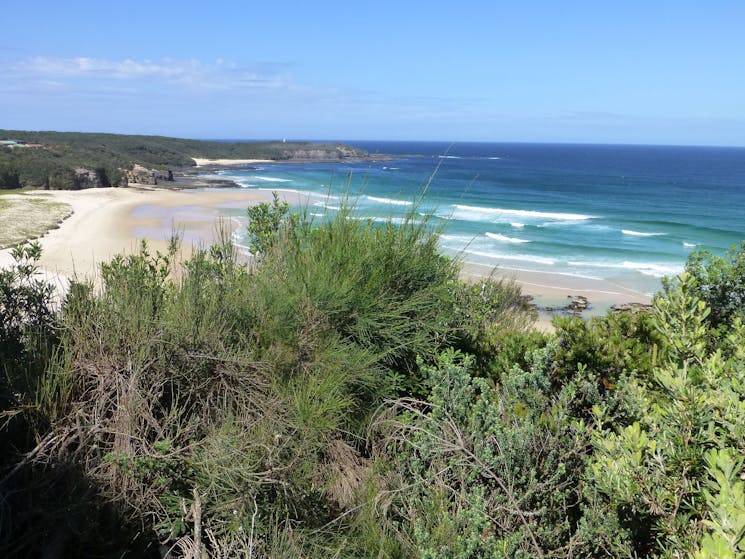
pixel 626 214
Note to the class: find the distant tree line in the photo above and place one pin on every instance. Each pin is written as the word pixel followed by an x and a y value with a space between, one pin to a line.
pixel 54 164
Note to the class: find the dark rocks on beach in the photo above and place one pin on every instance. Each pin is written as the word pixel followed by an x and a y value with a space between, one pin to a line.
pixel 577 303
pixel 633 308
pixel 576 306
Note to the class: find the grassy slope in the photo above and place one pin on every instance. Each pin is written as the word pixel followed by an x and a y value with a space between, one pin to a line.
pixel 28 216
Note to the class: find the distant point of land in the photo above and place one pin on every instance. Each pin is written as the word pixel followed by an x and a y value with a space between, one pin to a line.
pixel 76 160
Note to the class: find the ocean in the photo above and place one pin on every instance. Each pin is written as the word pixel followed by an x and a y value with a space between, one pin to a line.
pixel 625 214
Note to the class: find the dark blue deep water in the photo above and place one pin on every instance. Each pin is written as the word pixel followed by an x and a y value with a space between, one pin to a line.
pixel 626 214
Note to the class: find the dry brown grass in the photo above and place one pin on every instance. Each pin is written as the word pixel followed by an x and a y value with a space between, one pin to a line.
pixel 28 216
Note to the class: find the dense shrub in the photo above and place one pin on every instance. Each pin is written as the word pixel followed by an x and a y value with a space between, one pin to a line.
pixel 482 471
pixel 720 283
pixel 27 334
pixel 226 405
pixel 670 482
pixel 346 395
pixel 53 165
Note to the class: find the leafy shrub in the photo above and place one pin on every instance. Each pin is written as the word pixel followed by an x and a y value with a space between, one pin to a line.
pixel 28 328
pixel 383 288
pixel 264 223
pixel 652 474
pixel 227 406
pixel 494 318
pixel 481 471
pixel 720 283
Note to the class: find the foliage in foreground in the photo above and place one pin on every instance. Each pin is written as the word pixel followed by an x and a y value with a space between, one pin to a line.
pixel 229 405
pixel 347 396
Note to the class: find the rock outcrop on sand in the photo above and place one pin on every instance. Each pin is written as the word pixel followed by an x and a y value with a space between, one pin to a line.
pixel 88 178
pixel 142 175
pixel 575 307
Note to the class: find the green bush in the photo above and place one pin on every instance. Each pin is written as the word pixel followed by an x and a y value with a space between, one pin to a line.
pixel 652 475
pixel 264 223
pixel 219 405
pixel 28 329
pixel 720 283
pixel 478 471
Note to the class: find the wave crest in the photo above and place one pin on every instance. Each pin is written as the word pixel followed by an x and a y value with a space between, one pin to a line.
pixel 479 213
pixel 391 201
pixel 505 238
pixel 270 179
pixel 640 233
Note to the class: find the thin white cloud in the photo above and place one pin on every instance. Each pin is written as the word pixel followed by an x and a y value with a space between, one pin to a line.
pixel 193 73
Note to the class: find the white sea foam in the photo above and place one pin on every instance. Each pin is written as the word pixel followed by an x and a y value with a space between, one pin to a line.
pixel 504 238
pixel 689 245
pixel 646 268
pixel 284 190
pixel 494 158
pixel 448 157
pixel 517 225
pixel 388 201
pixel 317 195
pixel 478 213
pixel 271 179
pixel 456 242
pixel 640 234
pixel 516 257
pixel 655 270
pixel 240 180
pixel 457 238
pixel 327 206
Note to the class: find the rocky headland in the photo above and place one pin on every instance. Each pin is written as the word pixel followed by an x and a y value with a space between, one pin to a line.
pixel 75 161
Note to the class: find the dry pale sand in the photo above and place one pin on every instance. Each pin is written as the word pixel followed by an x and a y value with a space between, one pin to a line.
pixel 110 221
pixel 202 162
pixel 554 290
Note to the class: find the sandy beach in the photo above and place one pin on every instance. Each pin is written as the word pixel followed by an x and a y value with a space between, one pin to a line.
pixel 554 290
pixel 110 221
pixel 201 162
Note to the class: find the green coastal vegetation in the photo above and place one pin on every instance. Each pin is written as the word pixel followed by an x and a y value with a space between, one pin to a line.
pixel 346 395
pixel 51 159
pixel 28 216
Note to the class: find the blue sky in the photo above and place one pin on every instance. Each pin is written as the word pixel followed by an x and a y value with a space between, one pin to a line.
pixel 649 72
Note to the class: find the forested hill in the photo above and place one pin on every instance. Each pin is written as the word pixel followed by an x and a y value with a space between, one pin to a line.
pixel 78 160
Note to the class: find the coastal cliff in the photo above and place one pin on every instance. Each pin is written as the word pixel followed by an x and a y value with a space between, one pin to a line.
pixel 72 160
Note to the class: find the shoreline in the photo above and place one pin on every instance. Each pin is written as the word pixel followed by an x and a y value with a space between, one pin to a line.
pixel 109 221
pixel 555 290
